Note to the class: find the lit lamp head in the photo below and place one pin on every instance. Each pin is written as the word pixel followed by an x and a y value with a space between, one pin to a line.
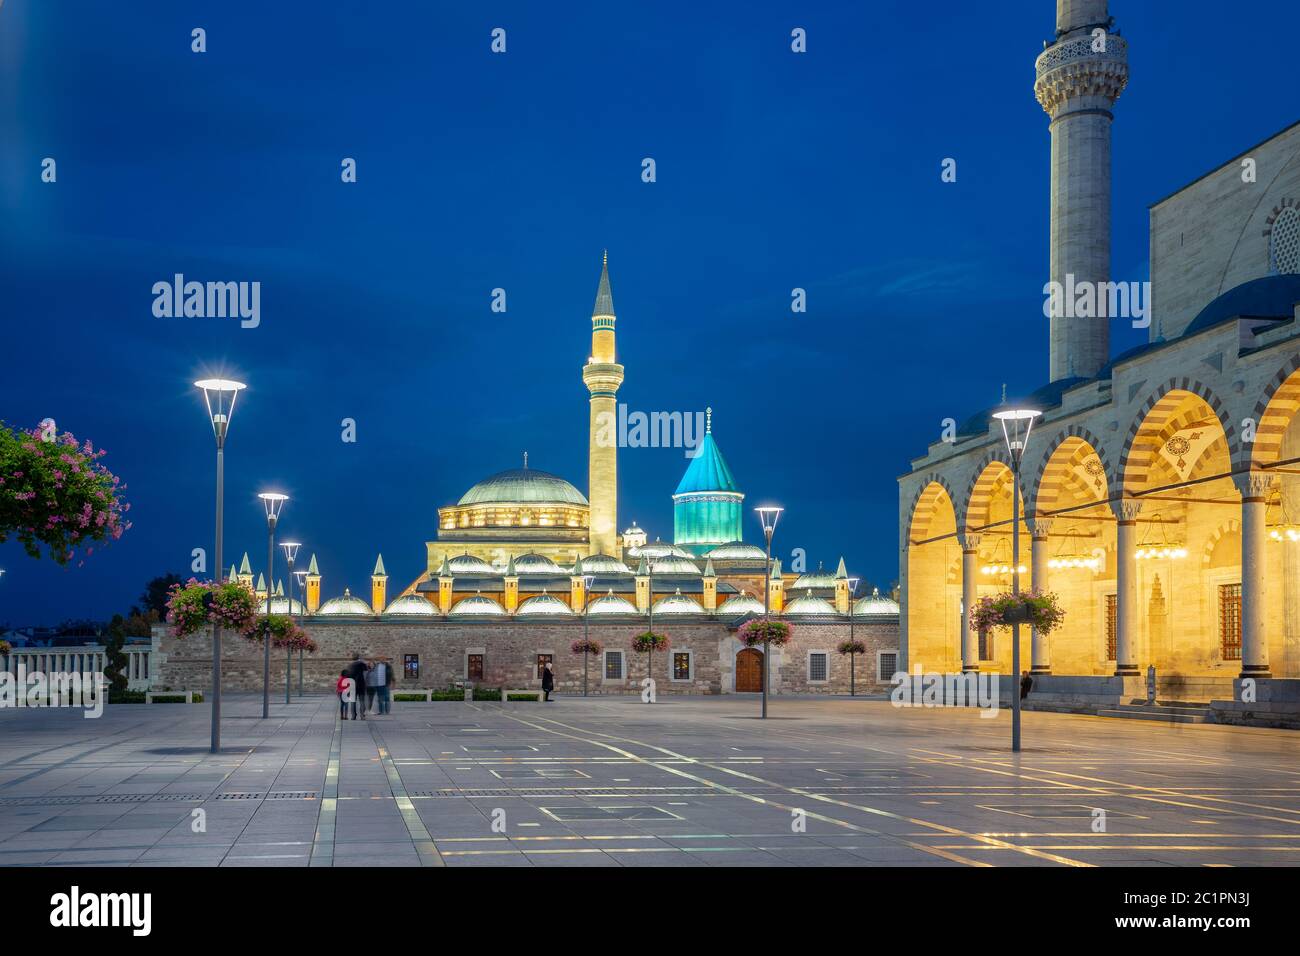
pixel 587 581
pixel 219 395
pixel 291 551
pixel 1017 422
pixel 301 578
pixel 768 516
pixel 273 501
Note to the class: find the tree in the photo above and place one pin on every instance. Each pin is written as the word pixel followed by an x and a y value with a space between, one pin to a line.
pixel 156 594
pixel 115 660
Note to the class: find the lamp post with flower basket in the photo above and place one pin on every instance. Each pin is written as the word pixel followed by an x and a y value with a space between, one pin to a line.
pixel 766 632
pixel 852 646
pixel 273 502
pixel 586 647
pixel 1017 422
pixel 290 553
pixel 647 644
pixel 301 576
pixel 767 516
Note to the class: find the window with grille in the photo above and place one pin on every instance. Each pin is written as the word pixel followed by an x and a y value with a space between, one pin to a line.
pixel 817 666
pixel 886 666
pixel 613 665
pixel 474 666
pixel 1230 621
pixel 1284 242
pixel 681 666
pixel 986 644
pixel 542 661
pixel 411 666
pixel 1112 627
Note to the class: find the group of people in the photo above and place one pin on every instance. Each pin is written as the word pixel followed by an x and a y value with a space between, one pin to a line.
pixel 363 684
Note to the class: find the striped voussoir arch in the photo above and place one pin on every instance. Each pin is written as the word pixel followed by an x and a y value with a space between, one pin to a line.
pixel 1156 412
pixel 925 502
pixel 1273 414
pixel 1231 526
pixel 1048 491
pixel 981 487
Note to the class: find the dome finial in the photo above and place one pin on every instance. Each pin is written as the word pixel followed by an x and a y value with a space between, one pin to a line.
pixel 525 461
pixel 708 420
pixel 604 259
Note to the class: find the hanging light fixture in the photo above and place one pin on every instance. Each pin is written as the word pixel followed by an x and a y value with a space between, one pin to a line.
pixel 1150 549
pixel 1280 526
pixel 1070 556
pixel 1000 563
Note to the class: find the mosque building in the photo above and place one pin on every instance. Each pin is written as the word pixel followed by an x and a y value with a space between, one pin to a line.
pixel 523 560
pixel 1160 487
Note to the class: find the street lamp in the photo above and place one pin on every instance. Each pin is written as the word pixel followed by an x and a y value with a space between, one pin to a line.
pixel 290 553
pixel 302 603
pixel 219 396
pixel 767 516
pixel 587 581
pixel 273 501
pixel 853 593
pixel 1017 422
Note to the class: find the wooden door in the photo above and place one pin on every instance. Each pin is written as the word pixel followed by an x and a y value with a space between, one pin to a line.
pixel 749 671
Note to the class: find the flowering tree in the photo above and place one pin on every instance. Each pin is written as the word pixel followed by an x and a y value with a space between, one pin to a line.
pixel 1039 609
pixel 55 495
pixel 588 647
pixel 197 604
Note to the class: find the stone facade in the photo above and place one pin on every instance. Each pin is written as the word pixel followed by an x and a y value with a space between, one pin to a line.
pixel 510 652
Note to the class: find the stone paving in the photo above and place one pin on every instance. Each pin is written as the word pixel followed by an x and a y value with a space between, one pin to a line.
pixel 614 782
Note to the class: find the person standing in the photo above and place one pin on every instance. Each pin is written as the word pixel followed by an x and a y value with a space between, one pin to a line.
pixel 1026 682
pixel 548 682
pixel 357 671
pixel 381 683
pixel 341 686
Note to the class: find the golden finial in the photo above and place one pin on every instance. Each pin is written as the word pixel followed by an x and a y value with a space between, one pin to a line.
pixel 604 261
pixel 525 461
pixel 708 420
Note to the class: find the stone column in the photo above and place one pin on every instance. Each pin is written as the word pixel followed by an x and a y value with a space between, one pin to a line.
pixel 1254 638
pixel 1126 598
pixel 970 650
pixel 1041 528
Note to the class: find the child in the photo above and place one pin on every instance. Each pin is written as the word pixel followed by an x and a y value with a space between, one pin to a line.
pixel 341 686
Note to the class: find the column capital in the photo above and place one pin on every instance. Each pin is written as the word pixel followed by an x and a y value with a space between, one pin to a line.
pixel 1126 510
pixel 1253 485
pixel 970 541
pixel 1040 526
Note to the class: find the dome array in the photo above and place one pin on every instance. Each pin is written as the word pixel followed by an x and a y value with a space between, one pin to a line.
pixel 411 605
pixel 347 604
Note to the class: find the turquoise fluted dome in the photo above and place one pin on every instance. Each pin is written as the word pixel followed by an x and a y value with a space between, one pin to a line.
pixel 707 506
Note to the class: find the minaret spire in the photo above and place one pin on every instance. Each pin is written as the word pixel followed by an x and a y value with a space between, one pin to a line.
pixel 603 375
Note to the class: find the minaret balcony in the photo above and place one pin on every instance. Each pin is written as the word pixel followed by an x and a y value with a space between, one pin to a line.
pixel 602 377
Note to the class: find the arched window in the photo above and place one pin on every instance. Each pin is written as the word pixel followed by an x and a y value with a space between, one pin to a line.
pixel 1284 243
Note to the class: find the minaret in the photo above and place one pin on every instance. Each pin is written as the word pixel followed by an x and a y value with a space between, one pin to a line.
pixel 379 587
pixel 1079 78
pixel 313 586
pixel 603 375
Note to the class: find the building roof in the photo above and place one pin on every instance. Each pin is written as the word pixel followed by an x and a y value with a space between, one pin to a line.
pixel 737 551
pixel 739 604
pixel 677 603
pixel 821 578
pixel 611 603
pixel 876 605
pixel 603 564
pixel 536 564
pixel 523 486
pixel 543 604
pixel 604 298
pixel 347 604
pixel 411 605
pixel 1269 297
pixel 476 605
pixel 657 549
pixel 808 606
pixel 707 472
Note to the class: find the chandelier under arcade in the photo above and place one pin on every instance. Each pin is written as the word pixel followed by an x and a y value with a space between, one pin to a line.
pixel 1169 546
pixel 1000 562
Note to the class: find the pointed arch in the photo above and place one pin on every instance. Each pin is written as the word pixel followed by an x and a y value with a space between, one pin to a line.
pixel 1172 406
pixel 1273 415
pixel 1071 449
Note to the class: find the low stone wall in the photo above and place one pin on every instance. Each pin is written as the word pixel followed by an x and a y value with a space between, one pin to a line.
pixel 510 650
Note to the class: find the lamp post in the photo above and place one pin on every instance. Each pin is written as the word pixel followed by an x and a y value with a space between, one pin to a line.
pixel 587 581
pixel 273 501
pixel 290 553
pixel 219 396
pixel 650 627
pixel 767 516
pixel 302 589
pixel 853 593
pixel 1017 422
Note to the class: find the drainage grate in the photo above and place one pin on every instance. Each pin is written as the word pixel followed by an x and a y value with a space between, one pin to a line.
pixel 277 795
pixel 504 748
pixel 102 798
pixel 532 773
pixel 609 813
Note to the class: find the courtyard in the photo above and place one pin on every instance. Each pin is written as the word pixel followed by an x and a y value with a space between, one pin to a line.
pixel 690 781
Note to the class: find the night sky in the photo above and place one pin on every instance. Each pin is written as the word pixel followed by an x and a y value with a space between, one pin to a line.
pixel 477 171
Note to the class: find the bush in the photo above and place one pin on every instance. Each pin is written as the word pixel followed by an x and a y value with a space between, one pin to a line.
pixel 520 696
pixel 486 693
pixel 126 697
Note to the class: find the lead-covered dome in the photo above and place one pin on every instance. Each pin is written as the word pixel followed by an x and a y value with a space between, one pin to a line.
pixel 523 485
pixel 611 603
pixel 536 564
pixel 677 603
pixel 476 605
pixel 808 606
pixel 739 604
pixel 876 605
pixel 411 605
pixel 737 551
pixel 543 605
pixel 347 604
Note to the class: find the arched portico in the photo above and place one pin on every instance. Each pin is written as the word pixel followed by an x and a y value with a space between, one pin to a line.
pixel 933 558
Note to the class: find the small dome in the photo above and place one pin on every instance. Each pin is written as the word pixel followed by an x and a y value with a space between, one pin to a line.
pixel 523 485
pixel 875 605
pixel 468 564
pixel 536 564
pixel 476 605
pixel 808 606
pixel 603 564
pixel 543 604
pixel 739 604
pixel 347 604
pixel 611 603
pixel 280 605
pixel 737 551
pixel 411 605
pixel 671 564
pixel 635 529
pixel 821 578
pixel 658 549
pixel 677 603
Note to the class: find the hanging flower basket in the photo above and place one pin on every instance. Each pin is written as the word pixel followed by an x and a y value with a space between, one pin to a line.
pixel 852 647
pixel 284 633
pixel 4 647
pixel 649 641
pixel 587 646
pixel 197 604
pixel 54 493
pixel 1038 609
pixel 759 631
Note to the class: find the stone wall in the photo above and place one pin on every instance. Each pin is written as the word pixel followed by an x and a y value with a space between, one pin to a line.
pixel 510 652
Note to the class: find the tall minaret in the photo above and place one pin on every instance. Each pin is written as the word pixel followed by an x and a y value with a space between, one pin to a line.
pixel 1079 78
pixel 602 376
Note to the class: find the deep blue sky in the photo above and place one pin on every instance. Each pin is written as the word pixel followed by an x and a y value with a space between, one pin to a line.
pixel 476 170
